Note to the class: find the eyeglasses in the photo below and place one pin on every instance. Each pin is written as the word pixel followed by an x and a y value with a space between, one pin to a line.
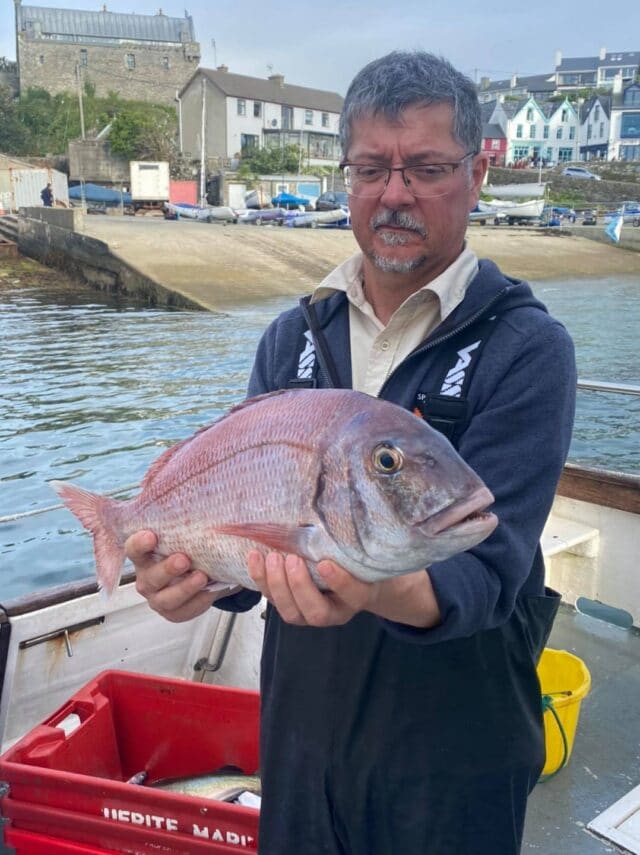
pixel 424 180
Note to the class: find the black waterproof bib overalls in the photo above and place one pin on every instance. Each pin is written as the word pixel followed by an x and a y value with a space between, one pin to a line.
pixel 373 745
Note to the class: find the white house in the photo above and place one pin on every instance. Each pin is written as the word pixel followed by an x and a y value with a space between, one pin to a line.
pixel 232 114
pixel 594 127
pixel 624 133
pixel 546 130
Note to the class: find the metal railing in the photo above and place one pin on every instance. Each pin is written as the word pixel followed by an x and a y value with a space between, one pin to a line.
pixel 585 385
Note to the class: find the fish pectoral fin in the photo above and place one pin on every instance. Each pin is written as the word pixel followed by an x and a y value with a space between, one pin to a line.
pixel 291 539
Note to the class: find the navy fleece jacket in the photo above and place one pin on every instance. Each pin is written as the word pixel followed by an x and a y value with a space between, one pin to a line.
pixel 522 400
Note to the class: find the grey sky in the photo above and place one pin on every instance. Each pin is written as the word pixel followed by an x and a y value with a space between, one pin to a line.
pixel 322 45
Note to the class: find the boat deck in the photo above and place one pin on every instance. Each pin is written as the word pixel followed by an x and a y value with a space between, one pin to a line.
pixel 605 762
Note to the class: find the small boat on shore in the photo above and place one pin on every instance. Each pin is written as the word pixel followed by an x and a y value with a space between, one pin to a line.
pixel 209 214
pixel 514 212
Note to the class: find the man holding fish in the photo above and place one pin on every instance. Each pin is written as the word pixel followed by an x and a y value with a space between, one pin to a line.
pixel 403 715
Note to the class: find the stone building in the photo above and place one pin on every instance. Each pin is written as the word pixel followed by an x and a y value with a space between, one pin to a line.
pixel 142 57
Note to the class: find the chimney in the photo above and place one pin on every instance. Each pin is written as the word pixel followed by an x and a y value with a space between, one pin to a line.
pixel 558 58
pixel 514 81
pixel 603 54
pixel 222 68
pixel 617 83
pixel 278 79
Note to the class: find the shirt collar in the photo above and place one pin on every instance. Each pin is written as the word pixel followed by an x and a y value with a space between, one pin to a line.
pixel 449 286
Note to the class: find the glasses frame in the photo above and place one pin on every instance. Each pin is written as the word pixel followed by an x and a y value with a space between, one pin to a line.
pixel 454 164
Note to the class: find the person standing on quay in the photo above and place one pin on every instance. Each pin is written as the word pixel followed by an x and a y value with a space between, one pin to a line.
pixel 404 717
pixel 47 196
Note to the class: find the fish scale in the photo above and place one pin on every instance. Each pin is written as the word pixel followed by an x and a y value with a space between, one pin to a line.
pixel 328 473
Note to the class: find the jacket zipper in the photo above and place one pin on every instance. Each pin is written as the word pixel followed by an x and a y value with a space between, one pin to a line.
pixel 463 326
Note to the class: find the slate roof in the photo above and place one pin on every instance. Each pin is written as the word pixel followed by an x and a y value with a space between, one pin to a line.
pixel 578 63
pixel 620 58
pixel 538 82
pixel 262 89
pixel 513 107
pixel 77 25
pixel 587 106
pixel 492 132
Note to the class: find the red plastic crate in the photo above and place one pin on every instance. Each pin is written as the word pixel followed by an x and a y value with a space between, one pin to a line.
pixel 28 843
pixel 74 786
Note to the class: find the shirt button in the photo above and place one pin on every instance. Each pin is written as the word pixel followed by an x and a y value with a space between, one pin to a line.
pixel 384 345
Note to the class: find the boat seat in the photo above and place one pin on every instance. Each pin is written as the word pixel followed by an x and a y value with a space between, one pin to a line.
pixel 563 535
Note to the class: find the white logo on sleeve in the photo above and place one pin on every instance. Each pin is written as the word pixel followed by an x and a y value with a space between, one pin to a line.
pixel 307 359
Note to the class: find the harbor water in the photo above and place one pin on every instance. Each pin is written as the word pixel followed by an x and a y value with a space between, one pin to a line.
pixel 92 390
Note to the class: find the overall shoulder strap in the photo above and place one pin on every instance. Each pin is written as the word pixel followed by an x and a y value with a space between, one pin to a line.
pixel 314 354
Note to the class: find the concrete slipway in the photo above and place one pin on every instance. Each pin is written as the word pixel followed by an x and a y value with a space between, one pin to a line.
pixel 211 266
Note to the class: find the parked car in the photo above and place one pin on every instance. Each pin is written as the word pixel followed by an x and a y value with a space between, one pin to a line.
pixel 332 200
pixel 579 172
pixel 589 218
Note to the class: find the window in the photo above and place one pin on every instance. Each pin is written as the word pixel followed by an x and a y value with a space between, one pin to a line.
pixel 325 120
pixel 495 144
pixel 532 132
pixel 130 61
pixel 248 144
pixel 632 97
pixel 601 129
pixel 565 154
pixel 529 114
pixel 519 131
pixel 545 132
pixel 242 107
pixel 287 118
pixel 596 113
pixel 558 133
pixel 589 131
pixel 565 115
pixel 630 125
pixel 41 59
pixel 572 132
pixel 308 117
pixel 257 109
pixel 84 58
pixel 165 62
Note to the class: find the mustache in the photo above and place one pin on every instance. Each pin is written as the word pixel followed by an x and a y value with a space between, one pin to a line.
pixel 401 219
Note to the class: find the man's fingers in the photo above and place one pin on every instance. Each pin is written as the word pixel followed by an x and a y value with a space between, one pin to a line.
pixel 139 547
pixel 347 588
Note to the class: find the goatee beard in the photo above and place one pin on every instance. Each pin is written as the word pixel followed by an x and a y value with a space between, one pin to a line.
pixel 395 265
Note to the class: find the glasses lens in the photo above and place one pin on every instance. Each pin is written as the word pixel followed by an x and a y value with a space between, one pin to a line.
pixel 423 181
pixel 362 180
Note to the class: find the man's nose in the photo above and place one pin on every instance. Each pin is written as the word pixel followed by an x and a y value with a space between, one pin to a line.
pixel 396 193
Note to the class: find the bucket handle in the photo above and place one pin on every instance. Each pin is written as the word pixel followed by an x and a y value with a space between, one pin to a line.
pixel 547 704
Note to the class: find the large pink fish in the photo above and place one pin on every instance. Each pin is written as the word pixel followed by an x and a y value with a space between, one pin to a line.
pixel 319 473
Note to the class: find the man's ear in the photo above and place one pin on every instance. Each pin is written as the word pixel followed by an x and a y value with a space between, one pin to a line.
pixel 479 167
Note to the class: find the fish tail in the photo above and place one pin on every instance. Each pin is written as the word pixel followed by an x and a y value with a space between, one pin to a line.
pixel 93 512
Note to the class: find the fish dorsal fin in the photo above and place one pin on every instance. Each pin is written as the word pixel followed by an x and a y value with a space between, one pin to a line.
pixel 158 465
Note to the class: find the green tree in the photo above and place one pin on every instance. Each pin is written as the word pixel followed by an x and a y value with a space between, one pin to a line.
pixel 14 137
pixel 272 160
pixel 142 131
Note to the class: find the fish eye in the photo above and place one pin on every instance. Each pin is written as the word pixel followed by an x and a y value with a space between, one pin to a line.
pixel 387 458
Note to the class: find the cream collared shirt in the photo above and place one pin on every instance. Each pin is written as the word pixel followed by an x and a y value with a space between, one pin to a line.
pixel 376 350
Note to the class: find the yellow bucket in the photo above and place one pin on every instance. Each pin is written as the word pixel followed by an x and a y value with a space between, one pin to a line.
pixel 564 681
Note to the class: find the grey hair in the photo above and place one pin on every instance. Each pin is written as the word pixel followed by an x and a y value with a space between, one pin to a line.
pixel 403 79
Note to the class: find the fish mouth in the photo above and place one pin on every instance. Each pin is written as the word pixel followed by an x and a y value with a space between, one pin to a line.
pixel 464 517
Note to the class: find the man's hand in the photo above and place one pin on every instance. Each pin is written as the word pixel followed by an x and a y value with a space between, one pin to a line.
pixel 169 585
pixel 288 586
